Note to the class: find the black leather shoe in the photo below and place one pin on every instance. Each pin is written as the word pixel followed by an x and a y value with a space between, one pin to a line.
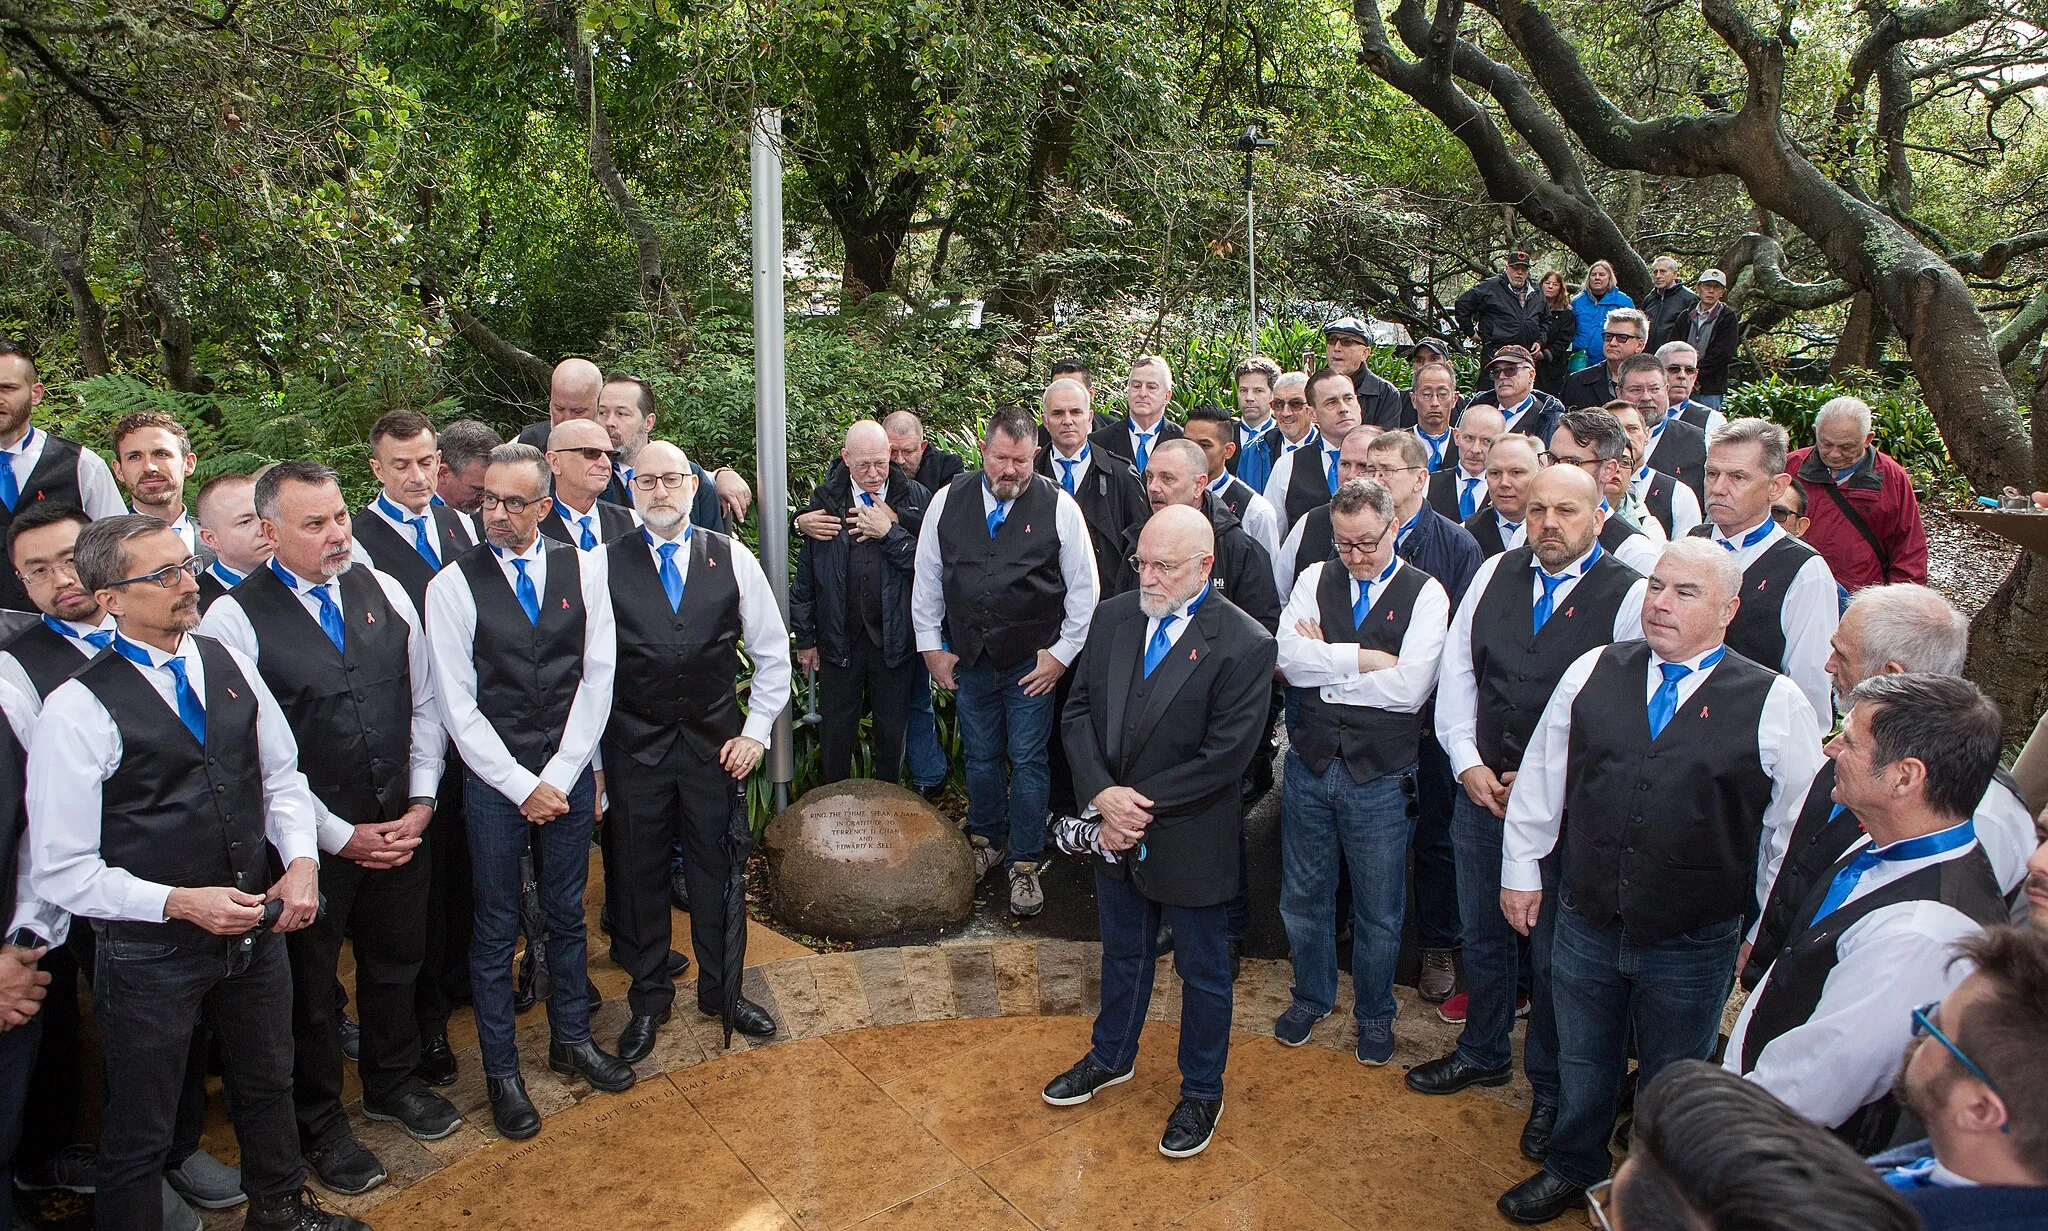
pixel 1190 1127
pixel 1162 940
pixel 679 890
pixel 1258 782
pixel 637 1039
pixel 299 1211
pixel 749 1018
pixel 1540 1198
pixel 932 793
pixel 423 1115
pixel 346 1167
pixel 1452 1073
pixel 512 1113
pixel 1079 1084
pixel 1536 1133
pixel 437 1060
pixel 593 1064
pixel 351 1038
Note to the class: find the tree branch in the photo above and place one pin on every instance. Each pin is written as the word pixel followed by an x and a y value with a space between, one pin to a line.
pixel 85 306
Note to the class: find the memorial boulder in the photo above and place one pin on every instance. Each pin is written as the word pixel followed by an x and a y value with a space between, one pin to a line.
pixel 860 859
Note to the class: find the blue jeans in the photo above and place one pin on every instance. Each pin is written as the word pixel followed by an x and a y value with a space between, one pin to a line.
pixel 1493 956
pixel 1201 957
pixel 1371 824
pixel 921 742
pixel 1607 984
pixel 1002 738
pixel 1436 881
pixel 498 836
pixel 1710 399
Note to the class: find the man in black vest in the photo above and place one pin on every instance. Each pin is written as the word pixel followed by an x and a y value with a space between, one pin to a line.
pixel 580 455
pixel 1359 643
pixel 1108 488
pixel 1675 446
pixel 73 628
pixel 1511 467
pixel 1825 1028
pixel 1790 606
pixel 1166 714
pixel 1147 391
pixel 1308 543
pixel 1665 848
pixel 230 529
pixel 1681 374
pixel 1887 630
pixel 676 749
pixel 1433 405
pixel 1593 441
pixel 1304 479
pixel 1528 615
pixel 408 534
pixel 1004 591
pixel 36 466
pixel 849 604
pixel 1212 430
pixel 625 409
pixel 521 633
pixel 933 468
pixel 1460 489
pixel 1673 504
pixel 159 776
pixel 343 650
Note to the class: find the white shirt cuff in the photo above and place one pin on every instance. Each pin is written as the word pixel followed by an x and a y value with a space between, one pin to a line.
pixel 1520 876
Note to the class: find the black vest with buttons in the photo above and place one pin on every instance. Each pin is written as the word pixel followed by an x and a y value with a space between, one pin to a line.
pixel 398 557
pixel 13 812
pixel 676 667
pixel 1664 832
pixel 1657 498
pixel 1318 543
pixel 55 477
pixel 1514 667
pixel 350 709
pixel 527 673
pixel 1005 596
pixel 1373 742
pixel 47 658
pixel 1758 630
pixel 172 812
pixel 1309 486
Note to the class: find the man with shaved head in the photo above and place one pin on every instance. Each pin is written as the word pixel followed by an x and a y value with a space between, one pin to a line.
pixel 849 604
pixel 1681 765
pixel 1308 543
pixel 677 749
pixel 1511 465
pixel 1527 616
pixel 580 454
pixel 1169 704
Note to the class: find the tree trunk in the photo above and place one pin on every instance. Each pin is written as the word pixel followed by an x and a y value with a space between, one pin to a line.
pixel 1027 289
pixel 162 289
pixel 70 267
pixel 2008 656
pixel 1861 343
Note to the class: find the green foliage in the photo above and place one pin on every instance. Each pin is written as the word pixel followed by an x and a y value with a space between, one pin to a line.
pixel 1905 427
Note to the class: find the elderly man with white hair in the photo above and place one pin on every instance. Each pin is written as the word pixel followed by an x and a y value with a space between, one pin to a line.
pixel 1671 845
pixel 1866 519
pixel 1681 376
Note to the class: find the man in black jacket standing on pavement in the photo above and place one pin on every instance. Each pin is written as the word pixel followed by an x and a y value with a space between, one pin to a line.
pixel 850 604
pixel 1667 303
pixel 1504 310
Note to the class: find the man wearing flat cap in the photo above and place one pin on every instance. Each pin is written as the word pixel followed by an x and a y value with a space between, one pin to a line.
pixel 1347 345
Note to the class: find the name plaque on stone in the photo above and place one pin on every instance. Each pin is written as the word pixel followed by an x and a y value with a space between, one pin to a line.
pixel 861 859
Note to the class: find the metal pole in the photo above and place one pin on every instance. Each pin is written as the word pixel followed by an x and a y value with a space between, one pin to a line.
pixel 1251 255
pixel 771 470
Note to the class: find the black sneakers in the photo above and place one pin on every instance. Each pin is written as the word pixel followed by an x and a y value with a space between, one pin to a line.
pixel 1079 1084
pixel 1190 1127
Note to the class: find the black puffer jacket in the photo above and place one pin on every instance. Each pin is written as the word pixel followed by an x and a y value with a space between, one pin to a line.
pixel 818 595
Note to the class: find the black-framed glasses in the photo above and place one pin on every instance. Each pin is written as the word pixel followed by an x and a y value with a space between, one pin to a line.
pixel 673 480
pixel 167 576
pixel 1361 547
pixel 1547 458
pixel 515 505
pixel 1924 1027
pixel 590 453
pixel 1611 336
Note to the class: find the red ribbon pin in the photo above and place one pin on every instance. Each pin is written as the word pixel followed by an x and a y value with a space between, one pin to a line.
pixel 1703 711
pixel 368 618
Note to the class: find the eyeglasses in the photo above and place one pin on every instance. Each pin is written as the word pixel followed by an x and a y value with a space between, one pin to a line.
pixel 46 572
pixel 1164 568
pixel 1290 403
pixel 1596 1204
pixel 167 576
pixel 1924 1027
pixel 1547 458
pixel 590 453
pixel 1508 369
pixel 1611 336
pixel 673 481
pixel 1361 547
pixel 1682 368
pixel 515 505
pixel 1383 472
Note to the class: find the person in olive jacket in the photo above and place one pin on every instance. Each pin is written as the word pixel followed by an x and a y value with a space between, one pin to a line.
pixel 849 606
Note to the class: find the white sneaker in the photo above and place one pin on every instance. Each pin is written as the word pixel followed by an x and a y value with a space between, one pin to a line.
pixel 985 857
pixel 1027 897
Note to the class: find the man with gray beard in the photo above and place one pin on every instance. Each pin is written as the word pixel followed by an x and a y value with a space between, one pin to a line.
pixel 1168 708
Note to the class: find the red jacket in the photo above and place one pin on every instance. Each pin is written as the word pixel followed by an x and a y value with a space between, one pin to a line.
pixel 1881 492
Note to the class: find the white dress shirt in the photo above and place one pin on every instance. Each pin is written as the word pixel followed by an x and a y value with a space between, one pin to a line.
pixel 1282 477
pixel 1332 668
pixel 1441 447
pixel 2006 832
pixel 590 518
pixel 1786 744
pixel 1283 560
pixel 1513 414
pixel 1459 480
pixel 1847 1051
pixel 1082 461
pixel 1258 519
pixel 187 529
pixel 1808 613
pixel 1077 571
pixel 1152 438
pixel 1640 552
pixel 12 672
pixel 1457 690
pixel 1685 504
pixel 50 922
pixel 1512 533
pixel 98 494
pixel 228 623
pixel 78 748
pixel 761 630
pixel 358 554
pixel 451 636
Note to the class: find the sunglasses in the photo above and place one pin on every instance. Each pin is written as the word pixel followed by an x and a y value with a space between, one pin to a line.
pixel 1619 337
pixel 1783 516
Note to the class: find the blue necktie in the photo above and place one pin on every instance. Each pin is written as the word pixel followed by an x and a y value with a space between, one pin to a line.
pixel 1748 540
pixel 1467 503
pixel 10 490
pixel 867 499
pixel 424 541
pixel 529 598
pixel 1921 847
pixel 97 639
pixel 1144 447
pixel 996 517
pixel 1664 702
pixel 1360 605
pixel 1436 449
pixel 1550 585
pixel 1155 652
pixel 1331 475
pixel 330 616
pixel 671 580
pixel 586 540
pixel 1067 474
pixel 190 711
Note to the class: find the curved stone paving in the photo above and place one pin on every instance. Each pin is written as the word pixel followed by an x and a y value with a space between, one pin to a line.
pixel 903 1092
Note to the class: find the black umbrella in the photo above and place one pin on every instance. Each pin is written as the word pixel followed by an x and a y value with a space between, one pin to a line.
pixel 737 841
pixel 535 978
